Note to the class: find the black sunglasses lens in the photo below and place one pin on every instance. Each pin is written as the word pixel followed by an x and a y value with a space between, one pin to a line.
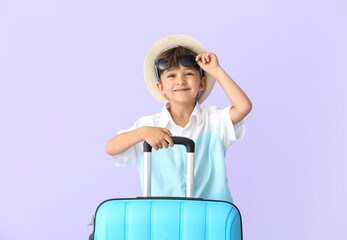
pixel 187 60
pixel 162 64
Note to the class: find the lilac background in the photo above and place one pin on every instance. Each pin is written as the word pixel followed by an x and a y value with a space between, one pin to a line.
pixel 72 75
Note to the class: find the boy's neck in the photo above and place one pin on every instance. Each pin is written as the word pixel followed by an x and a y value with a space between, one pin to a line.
pixel 181 113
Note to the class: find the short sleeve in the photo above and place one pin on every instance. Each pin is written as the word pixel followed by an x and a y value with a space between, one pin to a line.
pixel 129 156
pixel 228 132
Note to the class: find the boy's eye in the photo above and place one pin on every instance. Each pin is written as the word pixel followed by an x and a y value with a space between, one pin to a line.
pixel 174 75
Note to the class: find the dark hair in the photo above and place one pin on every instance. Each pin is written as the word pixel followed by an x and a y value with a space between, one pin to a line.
pixel 172 56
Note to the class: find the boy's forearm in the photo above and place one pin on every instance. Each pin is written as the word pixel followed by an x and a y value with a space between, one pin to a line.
pixel 124 141
pixel 235 94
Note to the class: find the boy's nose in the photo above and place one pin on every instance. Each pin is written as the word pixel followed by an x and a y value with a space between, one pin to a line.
pixel 181 80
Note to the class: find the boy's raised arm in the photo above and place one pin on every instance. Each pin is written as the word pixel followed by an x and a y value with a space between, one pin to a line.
pixel 241 104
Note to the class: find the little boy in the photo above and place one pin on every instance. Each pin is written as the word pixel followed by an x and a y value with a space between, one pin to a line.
pixel 180 73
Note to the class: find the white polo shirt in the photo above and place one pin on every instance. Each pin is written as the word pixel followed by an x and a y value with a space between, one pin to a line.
pixel 212 131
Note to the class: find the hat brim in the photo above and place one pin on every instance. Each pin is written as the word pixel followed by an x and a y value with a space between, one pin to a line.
pixel 160 47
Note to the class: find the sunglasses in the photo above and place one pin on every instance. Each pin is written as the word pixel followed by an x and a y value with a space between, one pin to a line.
pixel 186 60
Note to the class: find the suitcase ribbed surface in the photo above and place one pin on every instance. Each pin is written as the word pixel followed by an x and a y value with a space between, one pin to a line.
pixel 167 219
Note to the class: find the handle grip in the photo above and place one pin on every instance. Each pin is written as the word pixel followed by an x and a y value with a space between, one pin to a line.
pixel 188 143
pixel 190 146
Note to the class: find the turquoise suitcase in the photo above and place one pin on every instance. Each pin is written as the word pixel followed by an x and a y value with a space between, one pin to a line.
pixel 167 218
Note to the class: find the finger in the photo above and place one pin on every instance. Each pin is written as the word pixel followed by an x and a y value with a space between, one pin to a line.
pixel 203 58
pixel 198 57
pixel 165 143
pixel 170 141
pixel 155 147
pixel 206 58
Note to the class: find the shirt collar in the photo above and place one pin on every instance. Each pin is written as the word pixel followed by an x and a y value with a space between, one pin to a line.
pixel 165 116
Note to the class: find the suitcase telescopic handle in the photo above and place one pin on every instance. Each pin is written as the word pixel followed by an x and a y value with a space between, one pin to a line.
pixel 190 146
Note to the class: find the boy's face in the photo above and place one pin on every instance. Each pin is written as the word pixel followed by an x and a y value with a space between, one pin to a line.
pixel 181 84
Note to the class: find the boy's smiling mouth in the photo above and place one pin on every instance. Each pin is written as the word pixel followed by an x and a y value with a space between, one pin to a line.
pixel 182 89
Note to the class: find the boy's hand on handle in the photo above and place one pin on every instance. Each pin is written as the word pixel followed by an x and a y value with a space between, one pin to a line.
pixel 157 137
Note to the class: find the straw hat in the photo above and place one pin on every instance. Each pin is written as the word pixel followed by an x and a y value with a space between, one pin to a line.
pixel 160 47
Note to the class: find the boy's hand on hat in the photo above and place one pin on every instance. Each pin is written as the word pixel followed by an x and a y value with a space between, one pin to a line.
pixel 207 61
pixel 157 137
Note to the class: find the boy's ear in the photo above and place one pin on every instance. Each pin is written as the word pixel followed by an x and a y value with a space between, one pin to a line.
pixel 160 87
pixel 203 83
